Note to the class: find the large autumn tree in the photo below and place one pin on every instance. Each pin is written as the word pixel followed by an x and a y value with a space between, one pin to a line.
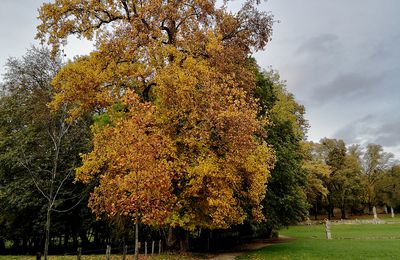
pixel 185 141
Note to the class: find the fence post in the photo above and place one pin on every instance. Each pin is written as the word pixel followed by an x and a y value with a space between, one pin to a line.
pixel 124 253
pixel 145 249
pixel 152 248
pixel 159 247
pixel 78 253
pixel 38 256
pixel 108 252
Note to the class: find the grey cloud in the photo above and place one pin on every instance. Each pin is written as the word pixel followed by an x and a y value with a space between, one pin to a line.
pixel 344 86
pixel 323 43
pixel 388 134
pixel 372 129
pixel 351 133
pixel 386 50
pixel 378 53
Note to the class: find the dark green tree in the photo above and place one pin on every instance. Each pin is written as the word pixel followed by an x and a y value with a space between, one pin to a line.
pixel 285 202
pixel 39 150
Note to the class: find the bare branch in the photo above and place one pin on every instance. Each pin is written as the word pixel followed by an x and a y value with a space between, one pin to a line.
pixel 59 187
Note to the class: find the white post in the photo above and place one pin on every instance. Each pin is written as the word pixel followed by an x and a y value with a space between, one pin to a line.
pixel 328 229
pixel 392 211
pixel 375 215
pixel 108 252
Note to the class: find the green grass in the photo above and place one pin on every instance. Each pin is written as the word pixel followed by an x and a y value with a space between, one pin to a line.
pixel 348 242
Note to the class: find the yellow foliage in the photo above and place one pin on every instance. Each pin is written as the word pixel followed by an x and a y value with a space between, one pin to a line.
pixel 185 149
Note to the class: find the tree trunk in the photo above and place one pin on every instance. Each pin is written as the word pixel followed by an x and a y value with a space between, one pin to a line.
pixel 96 239
pixel 46 242
pixel 24 245
pixel 66 239
pixel 209 234
pixel 330 207
pixel 171 238
pixel 343 211
pixel 316 211
pixel 74 239
pixel 178 239
pixel 2 246
pixel 183 237
pixel 84 239
pixel 269 232
pixel 136 240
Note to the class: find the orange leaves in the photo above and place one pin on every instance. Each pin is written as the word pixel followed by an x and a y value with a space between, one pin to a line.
pixel 132 161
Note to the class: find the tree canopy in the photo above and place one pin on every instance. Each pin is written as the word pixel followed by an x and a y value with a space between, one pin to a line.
pixel 181 72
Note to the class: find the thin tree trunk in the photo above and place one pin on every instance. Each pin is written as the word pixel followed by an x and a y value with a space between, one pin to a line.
pixel 316 211
pixel 66 239
pixel 171 238
pixel 330 207
pixel 2 245
pixel 269 232
pixel 46 242
pixel 136 240
pixel 343 211
pixel 84 238
pixel 183 237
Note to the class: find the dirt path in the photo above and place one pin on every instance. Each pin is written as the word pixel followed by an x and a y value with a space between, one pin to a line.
pixel 257 244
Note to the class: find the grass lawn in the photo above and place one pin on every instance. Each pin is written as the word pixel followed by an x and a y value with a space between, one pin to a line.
pixel 348 242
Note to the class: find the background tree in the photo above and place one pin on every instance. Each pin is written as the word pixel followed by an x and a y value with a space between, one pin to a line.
pixel 187 61
pixel 334 154
pixel 40 149
pixel 318 173
pixel 374 164
pixel 347 182
pixel 387 187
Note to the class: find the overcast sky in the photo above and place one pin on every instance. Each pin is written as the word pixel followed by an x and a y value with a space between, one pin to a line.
pixel 340 58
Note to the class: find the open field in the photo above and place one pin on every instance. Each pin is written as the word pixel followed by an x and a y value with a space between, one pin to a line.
pixel 349 241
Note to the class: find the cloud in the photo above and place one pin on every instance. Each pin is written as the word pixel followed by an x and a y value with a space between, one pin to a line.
pixel 321 44
pixel 350 85
pixel 383 130
pixel 388 134
pixel 355 131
